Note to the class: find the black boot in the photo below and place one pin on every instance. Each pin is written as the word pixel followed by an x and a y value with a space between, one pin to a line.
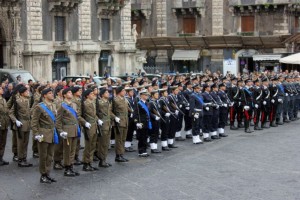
pixel 51 179
pixel 15 158
pixel 75 172
pixel 273 124
pixel 86 167
pixel 278 122
pixel 102 163
pixel 165 148
pixel 35 155
pixel 23 163
pixel 68 172
pixel 265 125
pixel 44 179
pixel 257 128
pixel 77 161
pixel 94 168
pixel 155 151
pixel 240 125
pixel 58 166
pixel 3 162
pixel 172 146
pixel 248 130
pixel 232 127
pixel 119 158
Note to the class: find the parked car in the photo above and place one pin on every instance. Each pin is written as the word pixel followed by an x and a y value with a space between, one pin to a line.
pixel 12 75
pixel 74 78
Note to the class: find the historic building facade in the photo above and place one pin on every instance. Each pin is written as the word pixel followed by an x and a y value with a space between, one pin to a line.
pixel 54 38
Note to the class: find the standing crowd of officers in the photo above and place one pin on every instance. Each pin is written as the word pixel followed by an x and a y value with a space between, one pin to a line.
pixel 110 115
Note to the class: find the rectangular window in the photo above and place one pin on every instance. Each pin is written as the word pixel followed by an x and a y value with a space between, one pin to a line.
pixel 189 25
pixel 105 23
pixel 60 28
pixel 297 28
pixel 247 24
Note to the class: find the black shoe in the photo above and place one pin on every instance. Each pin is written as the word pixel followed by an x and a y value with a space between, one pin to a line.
pixel 265 126
pixel 233 128
pixel 68 172
pixel 3 162
pixel 155 151
pixel 165 149
pixel 129 149
pixel 172 146
pixel 179 139
pixel 257 128
pixel 190 136
pixel 58 166
pixel 51 179
pixel 124 158
pixel 81 147
pixel 293 119
pixel 248 130
pixel 95 158
pixel 87 168
pixel 94 168
pixel 207 139
pixel 44 179
pixel 215 137
pixel 223 135
pixel 102 163
pixel 15 158
pixel 120 159
pixel 273 124
pixel 75 172
pixel 23 163
pixel 77 161
pixel 279 123
pixel 286 121
pixel 35 155
pixel 241 126
pixel 144 155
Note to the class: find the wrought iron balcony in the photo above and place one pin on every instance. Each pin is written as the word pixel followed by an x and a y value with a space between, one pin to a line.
pixel 63 5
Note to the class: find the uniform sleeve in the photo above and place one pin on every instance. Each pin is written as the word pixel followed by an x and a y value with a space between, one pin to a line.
pixel 35 120
pixel 59 118
pixel 12 114
pixel 80 118
pixel 192 105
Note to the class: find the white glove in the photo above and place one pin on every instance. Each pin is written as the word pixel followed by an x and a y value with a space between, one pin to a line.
pixel 176 112
pixel 100 122
pixel 131 115
pixel 18 123
pixel 187 108
pixel 139 125
pixel 246 107
pixel 167 115
pixel 39 138
pixel 188 104
pixel 273 101
pixel 264 102
pixel 64 135
pixel 207 104
pixel 232 103
pixel 240 103
pixel 217 107
pixel 196 116
pixel 256 105
pixel 207 108
pixel 225 105
pixel 286 94
pixel 117 119
pixel 157 118
pixel 280 101
pixel 292 95
pixel 180 106
pixel 87 125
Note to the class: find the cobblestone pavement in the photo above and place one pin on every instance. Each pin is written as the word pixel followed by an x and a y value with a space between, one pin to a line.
pixel 260 166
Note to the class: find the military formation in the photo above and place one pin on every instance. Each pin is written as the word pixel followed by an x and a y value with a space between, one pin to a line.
pixel 158 113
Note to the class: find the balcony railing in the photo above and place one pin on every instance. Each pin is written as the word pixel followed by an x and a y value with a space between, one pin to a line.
pixel 245 33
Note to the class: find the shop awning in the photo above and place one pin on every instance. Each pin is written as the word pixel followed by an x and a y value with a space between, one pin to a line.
pixel 212 42
pixel 267 57
pixel 292 59
pixel 186 55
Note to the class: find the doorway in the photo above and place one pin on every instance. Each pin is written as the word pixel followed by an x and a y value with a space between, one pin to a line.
pixel 59 65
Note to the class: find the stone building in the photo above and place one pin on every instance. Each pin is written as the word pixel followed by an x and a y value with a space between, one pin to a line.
pixel 196 34
pixel 54 38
